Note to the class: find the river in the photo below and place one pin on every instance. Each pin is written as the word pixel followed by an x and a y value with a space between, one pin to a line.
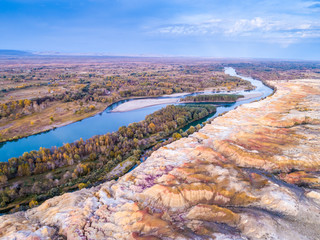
pixel 108 121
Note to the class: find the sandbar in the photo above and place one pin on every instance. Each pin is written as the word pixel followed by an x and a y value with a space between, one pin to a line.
pixel 250 95
pixel 142 103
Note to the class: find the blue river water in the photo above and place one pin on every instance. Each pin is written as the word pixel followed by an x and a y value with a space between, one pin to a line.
pixel 107 121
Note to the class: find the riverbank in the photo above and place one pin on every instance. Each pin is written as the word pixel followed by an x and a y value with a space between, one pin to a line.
pixel 54 116
pixel 234 173
pixel 33 125
pixel 248 95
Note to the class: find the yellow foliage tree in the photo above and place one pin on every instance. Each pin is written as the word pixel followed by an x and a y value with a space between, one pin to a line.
pixel 82 185
pixel 33 203
pixel 152 127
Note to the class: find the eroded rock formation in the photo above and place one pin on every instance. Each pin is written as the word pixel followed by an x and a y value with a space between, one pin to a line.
pixel 252 173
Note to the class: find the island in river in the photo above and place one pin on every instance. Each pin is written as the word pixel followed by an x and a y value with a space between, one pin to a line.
pixel 179 98
pixel 216 98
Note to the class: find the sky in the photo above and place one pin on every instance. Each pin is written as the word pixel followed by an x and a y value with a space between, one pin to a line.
pixel 285 29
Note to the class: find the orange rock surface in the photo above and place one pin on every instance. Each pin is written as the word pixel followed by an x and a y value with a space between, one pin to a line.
pixel 252 173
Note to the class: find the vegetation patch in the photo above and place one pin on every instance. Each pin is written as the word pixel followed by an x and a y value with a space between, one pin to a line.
pixel 212 98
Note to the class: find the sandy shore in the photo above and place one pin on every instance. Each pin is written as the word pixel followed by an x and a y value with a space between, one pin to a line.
pixel 250 95
pixel 142 103
pixel 175 95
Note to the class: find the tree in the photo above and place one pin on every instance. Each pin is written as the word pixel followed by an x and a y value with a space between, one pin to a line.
pixel 191 130
pixel 180 121
pixel 3 179
pixel 33 203
pixel 152 127
pixel 27 102
pixel 76 157
pixel 82 185
pixel 176 136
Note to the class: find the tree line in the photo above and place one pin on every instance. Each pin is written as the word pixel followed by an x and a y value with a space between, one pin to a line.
pixel 212 98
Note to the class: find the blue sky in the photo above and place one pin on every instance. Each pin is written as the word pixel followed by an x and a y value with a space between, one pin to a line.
pixel 210 28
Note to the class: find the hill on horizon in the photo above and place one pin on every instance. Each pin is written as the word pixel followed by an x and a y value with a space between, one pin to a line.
pixel 9 52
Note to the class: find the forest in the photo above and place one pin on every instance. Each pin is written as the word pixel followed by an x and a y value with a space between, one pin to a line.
pixel 38 175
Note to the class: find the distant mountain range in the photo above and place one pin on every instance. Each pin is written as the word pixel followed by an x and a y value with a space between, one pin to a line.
pixel 10 52
pixel 5 52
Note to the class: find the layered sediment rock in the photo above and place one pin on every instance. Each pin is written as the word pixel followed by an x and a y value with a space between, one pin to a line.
pixel 252 173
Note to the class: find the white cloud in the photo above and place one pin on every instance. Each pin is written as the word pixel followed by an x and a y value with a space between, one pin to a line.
pixel 284 31
pixel 245 25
